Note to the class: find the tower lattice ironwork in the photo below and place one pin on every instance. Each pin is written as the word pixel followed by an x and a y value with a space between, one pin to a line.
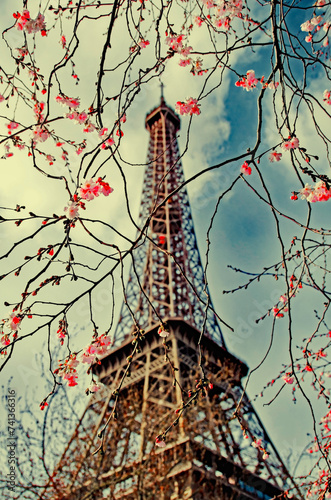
pixel 208 452
pixel 167 278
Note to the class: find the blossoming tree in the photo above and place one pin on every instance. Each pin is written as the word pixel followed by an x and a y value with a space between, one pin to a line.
pixel 72 79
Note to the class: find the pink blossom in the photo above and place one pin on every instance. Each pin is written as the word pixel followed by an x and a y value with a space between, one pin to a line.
pixel 276 313
pixel 71 379
pixel 89 354
pixel 245 169
pixel 13 322
pixel 184 62
pixel 249 81
pixel 175 42
pixel 294 143
pixel 72 362
pixel 160 442
pixel 77 117
pixel 316 193
pixel 327 96
pixel 306 191
pixel 98 347
pixel 198 21
pixel 257 443
pixel 94 387
pixel 307 26
pixel 89 127
pixel 109 142
pixel 43 405
pixel 24 22
pixel 316 20
pixel 72 208
pixel 22 52
pixel 185 51
pixel 190 107
pixel 103 132
pixel 143 44
pixel 22 19
pixel 274 156
pixel 1 98
pixel 320 3
pixel 291 144
pixel 273 85
pixel 11 126
pixel 288 378
pixel 61 334
pixel 283 299
pixel 68 101
pixel 40 134
pixel 163 332
pixel 208 3
pixel 89 190
pixel 265 455
pixel 104 187
pixel 5 340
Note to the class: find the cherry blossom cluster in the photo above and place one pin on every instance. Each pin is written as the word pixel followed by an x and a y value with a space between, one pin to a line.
pixel 190 107
pixel 24 22
pixel 319 192
pixel 221 13
pixel 107 141
pixel 91 354
pixel 143 43
pixel 313 26
pixel 40 134
pixel 226 11
pixel 96 349
pixel 12 324
pixel 81 118
pixel 88 191
pixel 320 487
pixel 250 81
pixel 11 126
pixel 67 370
pixel 257 443
pixel 291 143
pixel 176 44
pixel 294 286
pixel 68 101
pixel 92 188
pixel 288 378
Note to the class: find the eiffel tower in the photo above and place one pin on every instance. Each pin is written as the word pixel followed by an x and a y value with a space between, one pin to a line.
pixel 172 426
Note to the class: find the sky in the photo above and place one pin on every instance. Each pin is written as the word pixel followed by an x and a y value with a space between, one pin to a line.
pixel 244 232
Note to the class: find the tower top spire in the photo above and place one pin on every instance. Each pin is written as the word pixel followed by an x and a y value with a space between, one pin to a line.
pixel 162 87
